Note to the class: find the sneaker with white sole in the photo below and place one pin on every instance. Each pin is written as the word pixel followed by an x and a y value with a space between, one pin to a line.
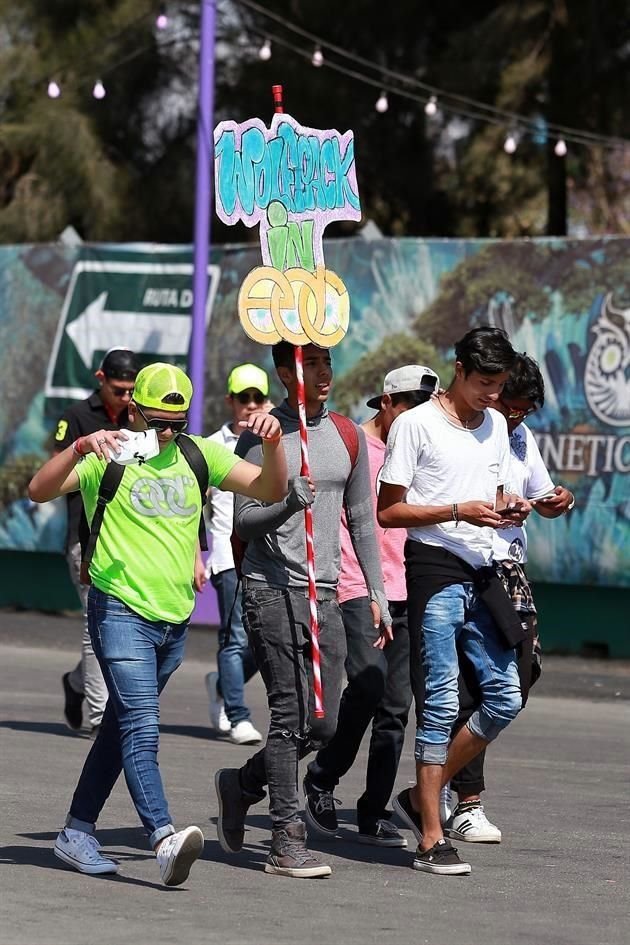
pixel 470 824
pixel 244 733
pixel 218 717
pixel 446 804
pixel 80 850
pixel 289 856
pixel 177 853
pixel 441 859
pixel 319 810
pixel 382 834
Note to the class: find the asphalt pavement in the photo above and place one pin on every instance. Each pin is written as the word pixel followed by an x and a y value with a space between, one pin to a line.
pixel 557 787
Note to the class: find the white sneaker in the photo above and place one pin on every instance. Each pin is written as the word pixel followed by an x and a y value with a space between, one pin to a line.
pixel 472 826
pixel 244 733
pixel 218 718
pixel 81 851
pixel 446 804
pixel 177 853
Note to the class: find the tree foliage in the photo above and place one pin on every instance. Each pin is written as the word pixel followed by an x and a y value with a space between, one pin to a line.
pixel 123 168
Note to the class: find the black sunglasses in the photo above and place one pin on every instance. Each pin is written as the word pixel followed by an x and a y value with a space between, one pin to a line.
pixel 120 391
pixel 245 398
pixel 160 425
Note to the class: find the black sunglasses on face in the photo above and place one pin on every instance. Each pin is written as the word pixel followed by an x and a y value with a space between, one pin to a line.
pixel 245 398
pixel 160 425
pixel 120 391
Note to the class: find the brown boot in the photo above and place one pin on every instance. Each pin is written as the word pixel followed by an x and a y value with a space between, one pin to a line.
pixel 289 857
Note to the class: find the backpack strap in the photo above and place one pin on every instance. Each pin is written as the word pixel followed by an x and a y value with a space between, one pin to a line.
pixel 349 433
pixel 112 477
pixel 195 459
pixel 107 489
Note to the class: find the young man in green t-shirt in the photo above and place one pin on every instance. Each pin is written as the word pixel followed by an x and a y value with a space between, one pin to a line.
pixel 141 598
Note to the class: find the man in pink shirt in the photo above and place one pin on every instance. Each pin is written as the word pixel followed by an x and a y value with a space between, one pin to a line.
pixel 378 689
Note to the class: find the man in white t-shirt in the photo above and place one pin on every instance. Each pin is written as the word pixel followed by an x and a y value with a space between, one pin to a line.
pixel 378 690
pixel 443 479
pixel 528 476
pixel 247 392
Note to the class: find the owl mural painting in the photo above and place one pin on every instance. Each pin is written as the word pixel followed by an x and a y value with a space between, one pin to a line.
pixel 607 372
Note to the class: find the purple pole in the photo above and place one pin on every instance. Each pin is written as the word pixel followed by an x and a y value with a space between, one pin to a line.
pixel 203 199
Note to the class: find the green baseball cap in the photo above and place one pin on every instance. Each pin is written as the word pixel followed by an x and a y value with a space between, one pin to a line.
pixel 163 387
pixel 245 376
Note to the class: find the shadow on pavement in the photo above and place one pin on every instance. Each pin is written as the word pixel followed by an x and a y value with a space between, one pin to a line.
pixel 42 856
pixel 250 857
pixel 345 845
pixel 193 731
pixel 46 728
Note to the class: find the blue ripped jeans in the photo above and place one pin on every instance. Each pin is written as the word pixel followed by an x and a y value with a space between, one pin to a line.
pixel 456 615
pixel 137 657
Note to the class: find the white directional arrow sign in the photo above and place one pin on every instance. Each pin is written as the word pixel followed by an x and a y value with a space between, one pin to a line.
pixel 97 329
pixel 143 301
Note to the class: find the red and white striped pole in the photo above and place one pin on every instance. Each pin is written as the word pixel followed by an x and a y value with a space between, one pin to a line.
pixel 308 512
pixel 310 547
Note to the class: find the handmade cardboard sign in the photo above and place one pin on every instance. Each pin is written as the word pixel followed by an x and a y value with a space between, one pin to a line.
pixel 291 181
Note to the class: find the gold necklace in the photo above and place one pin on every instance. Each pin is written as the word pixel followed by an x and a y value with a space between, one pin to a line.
pixel 464 423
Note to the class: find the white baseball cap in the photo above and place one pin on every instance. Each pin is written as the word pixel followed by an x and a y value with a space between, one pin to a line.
pixel 410 377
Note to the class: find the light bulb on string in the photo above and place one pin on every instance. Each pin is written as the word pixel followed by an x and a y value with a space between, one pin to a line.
pixel 560 149
pixel 510 144
pixel 318 58
pixel 54 90
pixel 381 103
pixel 430 108
pixel 99 90
pixel 264 52
pixel 161 21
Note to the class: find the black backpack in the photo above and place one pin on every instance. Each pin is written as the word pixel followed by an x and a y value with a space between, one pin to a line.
pixel 112 477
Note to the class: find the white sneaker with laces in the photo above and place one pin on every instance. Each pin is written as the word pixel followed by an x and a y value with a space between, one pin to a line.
pixel 446 804
pixel 218 718
pixel 244 733
pixel 80 850
pixel 472 826
pixel 177 853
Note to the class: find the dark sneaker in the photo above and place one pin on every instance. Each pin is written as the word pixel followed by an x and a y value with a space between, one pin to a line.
pixel 441 859
pixel 289 857
pixel 73 703
pixel 409 817
pixel 233 806
pixel 382 834
pixel 319 809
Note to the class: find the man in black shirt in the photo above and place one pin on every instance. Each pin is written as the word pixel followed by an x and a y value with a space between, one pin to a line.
pixel 105 409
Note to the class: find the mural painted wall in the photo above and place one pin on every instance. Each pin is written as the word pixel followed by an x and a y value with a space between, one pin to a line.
pixel 566 303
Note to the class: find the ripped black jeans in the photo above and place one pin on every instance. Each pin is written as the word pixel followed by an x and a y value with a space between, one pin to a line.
pixel 277 623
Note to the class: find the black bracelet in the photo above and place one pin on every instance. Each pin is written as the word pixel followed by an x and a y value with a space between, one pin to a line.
pixel 455 514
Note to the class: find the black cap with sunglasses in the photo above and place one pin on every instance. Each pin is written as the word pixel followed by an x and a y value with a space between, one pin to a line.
pixel 104 409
